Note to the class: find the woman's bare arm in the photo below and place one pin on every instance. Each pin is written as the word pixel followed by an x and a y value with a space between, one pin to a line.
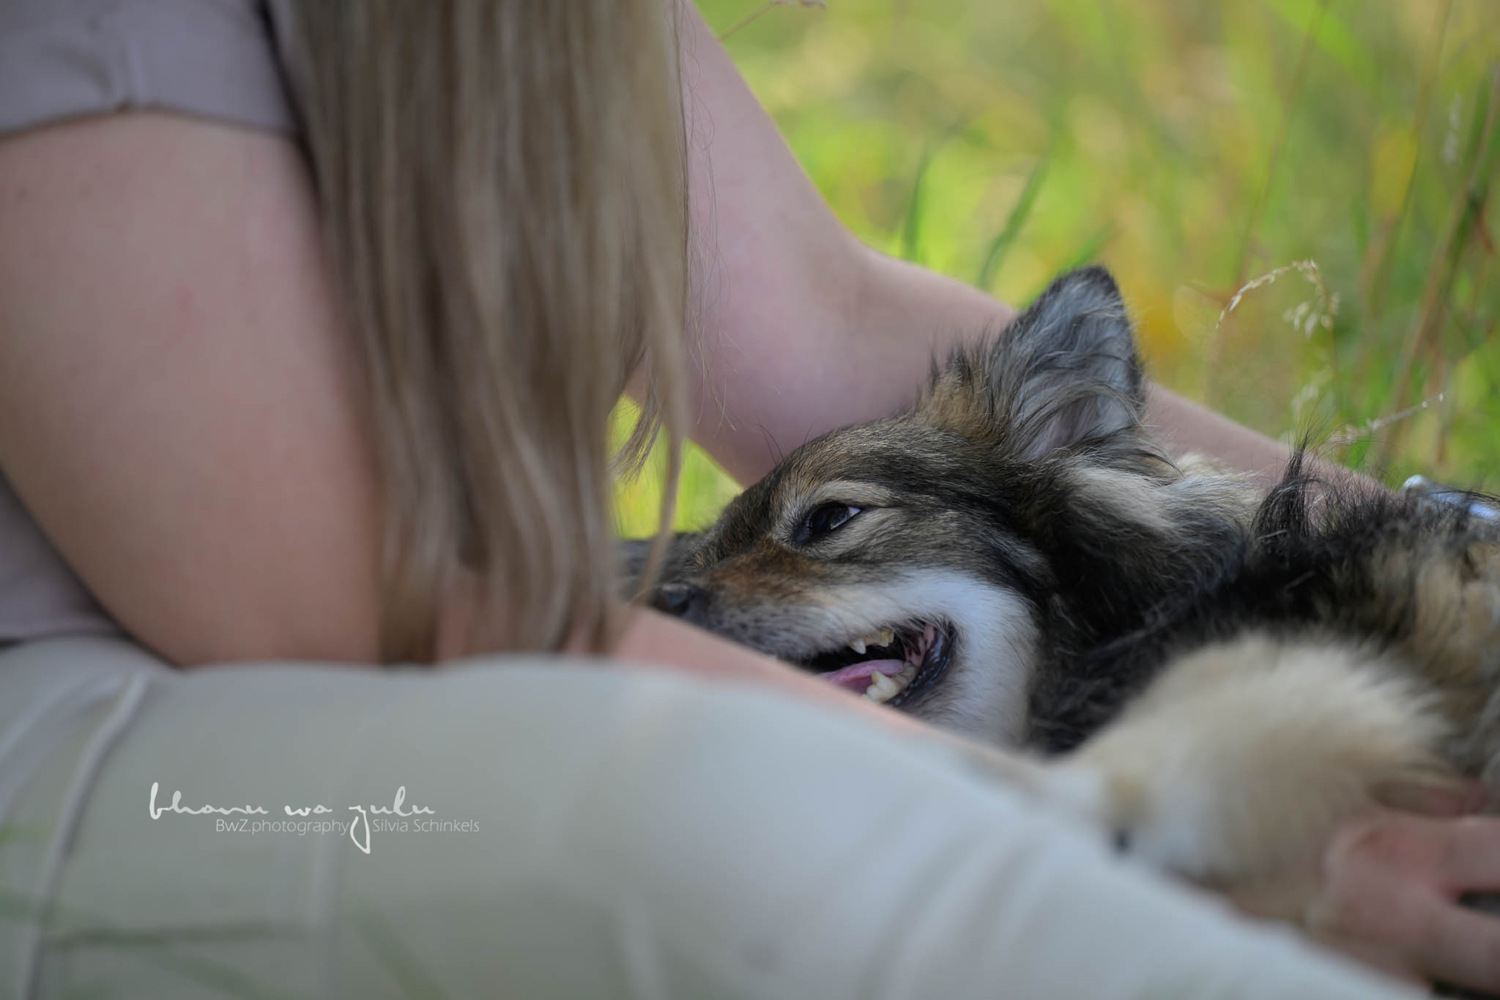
pixel 179 411
pixel 652 639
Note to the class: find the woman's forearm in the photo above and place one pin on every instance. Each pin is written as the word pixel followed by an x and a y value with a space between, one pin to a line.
pixel 775 279
pixel 1185 426
pixel 656 640
pixel 801 328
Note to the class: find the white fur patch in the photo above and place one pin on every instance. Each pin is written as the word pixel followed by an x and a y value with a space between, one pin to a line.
pixel 1130 496
pixel 984 692
pixel 1156 504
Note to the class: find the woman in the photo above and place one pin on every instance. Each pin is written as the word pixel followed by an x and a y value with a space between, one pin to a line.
pixel 307 355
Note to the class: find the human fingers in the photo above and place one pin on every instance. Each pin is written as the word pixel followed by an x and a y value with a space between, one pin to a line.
pixel 1376 956
pixel 1446 797
pixel 1461 946
pixel 1470 859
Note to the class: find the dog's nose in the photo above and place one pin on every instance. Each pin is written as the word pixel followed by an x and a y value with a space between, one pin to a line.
pixel 681 599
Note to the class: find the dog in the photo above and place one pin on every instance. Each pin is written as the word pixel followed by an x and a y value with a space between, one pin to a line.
pixel 1215 678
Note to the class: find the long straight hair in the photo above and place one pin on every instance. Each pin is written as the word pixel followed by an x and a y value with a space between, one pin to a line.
pixel 504 200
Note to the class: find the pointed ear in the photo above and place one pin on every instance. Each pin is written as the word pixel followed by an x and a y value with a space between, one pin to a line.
pixel 1066 374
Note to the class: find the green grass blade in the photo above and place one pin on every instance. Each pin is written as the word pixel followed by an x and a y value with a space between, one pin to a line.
pixel 911 225
pixel 1331 34
pixel 994 255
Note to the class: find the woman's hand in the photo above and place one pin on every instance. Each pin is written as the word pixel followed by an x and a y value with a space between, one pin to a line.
pixel 1389 896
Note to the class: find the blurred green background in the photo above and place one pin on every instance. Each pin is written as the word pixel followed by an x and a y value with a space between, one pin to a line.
pixel 1190 147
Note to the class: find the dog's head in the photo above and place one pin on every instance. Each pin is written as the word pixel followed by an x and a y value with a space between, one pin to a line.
pixel 935 559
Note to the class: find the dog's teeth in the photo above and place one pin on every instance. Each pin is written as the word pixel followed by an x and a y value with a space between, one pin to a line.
pixel 882 638
pixel 884 687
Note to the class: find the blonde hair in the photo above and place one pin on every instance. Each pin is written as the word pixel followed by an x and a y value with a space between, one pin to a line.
pixel 504 199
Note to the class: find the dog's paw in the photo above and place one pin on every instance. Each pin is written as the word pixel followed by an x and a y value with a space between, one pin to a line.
pixel 1180 827
pixel 1241 760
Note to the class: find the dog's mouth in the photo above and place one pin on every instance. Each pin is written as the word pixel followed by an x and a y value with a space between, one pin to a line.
pixel 892 666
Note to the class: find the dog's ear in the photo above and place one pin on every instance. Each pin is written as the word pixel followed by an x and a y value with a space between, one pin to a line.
pixel 1065 374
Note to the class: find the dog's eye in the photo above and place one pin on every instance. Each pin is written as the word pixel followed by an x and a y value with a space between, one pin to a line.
pixel 824 519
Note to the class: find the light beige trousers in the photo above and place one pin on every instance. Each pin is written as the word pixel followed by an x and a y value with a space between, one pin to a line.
pixel 565 830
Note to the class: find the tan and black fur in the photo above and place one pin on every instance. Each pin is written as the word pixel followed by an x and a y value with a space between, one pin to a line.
pixel 1215 678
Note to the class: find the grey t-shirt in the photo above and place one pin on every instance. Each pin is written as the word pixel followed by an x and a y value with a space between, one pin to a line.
pixel 39 594
pixel 63 59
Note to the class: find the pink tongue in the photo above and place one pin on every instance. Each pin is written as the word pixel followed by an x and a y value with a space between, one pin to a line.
pixel 856 676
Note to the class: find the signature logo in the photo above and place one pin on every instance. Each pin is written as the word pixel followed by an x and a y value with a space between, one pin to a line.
pixel 358 826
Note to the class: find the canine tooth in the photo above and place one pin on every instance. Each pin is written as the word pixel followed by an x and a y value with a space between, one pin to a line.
pixel 883 686
pixel 883 637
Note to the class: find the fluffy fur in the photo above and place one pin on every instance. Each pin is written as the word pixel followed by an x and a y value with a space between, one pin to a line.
pixel 1218 678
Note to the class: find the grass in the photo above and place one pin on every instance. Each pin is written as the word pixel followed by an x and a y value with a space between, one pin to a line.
pixel 1191 148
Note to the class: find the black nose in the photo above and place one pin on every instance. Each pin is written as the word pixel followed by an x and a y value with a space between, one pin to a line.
pixel 681 599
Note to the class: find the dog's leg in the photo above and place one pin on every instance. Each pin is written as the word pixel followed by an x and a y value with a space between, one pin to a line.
pixel 1238 762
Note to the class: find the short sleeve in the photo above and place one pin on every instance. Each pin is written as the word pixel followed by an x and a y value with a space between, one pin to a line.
pixel 63 59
